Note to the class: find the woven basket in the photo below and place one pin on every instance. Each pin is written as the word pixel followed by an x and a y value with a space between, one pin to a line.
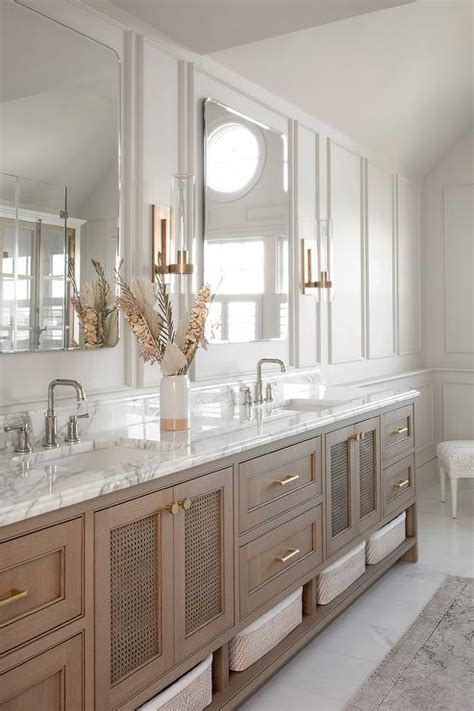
pixel 384 541
pixel 334 579
pixel 192 692
pixel 261 636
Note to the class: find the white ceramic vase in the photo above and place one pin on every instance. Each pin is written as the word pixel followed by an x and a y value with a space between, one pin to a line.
pixel 174 403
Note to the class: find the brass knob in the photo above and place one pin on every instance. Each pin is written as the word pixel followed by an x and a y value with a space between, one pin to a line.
pixel 358 436
pixel 173 508
pixel 185 504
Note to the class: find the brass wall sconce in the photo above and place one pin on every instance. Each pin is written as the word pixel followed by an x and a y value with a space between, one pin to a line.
pixel 321 248
pixel 174 225
pixel 323 282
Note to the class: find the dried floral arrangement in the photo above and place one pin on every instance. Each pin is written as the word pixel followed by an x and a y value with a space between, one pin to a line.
pixel 96 307
pixel 148 311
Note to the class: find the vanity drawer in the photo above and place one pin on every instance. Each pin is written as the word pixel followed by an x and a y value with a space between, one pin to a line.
pixel 273 562
pixel 398 435
pixel 40 582
pixel 279 481
pixel 398 484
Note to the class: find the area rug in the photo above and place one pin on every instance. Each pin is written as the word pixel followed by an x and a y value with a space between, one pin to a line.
pixel 431 668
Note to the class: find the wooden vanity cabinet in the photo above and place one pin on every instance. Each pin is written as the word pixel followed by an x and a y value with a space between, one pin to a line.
pixel 51 681
pixel 170 550
pixel 353 495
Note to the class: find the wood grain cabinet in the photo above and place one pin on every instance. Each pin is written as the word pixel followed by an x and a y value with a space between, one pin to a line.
pixel 40 582
pixel 52 681
pixel 167 550
pixel 353 496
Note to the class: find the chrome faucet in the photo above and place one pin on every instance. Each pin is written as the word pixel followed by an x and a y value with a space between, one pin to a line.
pixel 259 384
pixel 51 434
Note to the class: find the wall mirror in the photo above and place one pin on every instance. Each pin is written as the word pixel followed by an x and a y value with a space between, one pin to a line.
pixel 246 226
pixel 59 186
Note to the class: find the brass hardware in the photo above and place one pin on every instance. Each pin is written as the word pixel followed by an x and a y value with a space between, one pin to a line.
pixel 284 558
pixel 400 484
pixel 173 508
pixel 12 596
pixel 323 282
pixel 358 436
pixel 288 480
pixel 182 266
pixel 401 430
pixel 185 504
pixel 160 229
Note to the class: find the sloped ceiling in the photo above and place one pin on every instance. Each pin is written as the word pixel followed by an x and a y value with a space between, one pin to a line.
pixel 211 25
pixel 399 81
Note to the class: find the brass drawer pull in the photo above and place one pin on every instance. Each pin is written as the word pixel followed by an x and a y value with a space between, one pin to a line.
pixel 185 504
pixel 12 596
pixel 401 430
pixel 291 554
pixel 173 508
pixel 400 484
pixel 358 436
pixel 288 480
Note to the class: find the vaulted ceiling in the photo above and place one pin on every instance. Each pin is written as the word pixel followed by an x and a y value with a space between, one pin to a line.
pixel 399 81
pixel 211 25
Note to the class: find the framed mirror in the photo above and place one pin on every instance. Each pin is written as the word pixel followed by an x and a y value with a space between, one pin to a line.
pixel 59 186
pixel 245 226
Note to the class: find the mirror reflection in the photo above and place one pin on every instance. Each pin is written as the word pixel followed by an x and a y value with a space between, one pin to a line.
pixel 246 226
pixel 59 186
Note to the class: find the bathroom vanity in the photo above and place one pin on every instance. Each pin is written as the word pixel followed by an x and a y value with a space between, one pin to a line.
pixel 125 561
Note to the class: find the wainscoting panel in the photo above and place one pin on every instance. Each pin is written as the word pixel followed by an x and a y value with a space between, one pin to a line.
pixel 346 323
pixel 458 410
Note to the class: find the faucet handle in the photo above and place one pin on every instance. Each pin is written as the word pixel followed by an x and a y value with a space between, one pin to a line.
pixel 23 429
pixel 72 432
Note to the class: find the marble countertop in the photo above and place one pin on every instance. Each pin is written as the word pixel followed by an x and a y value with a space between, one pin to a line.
pixel 49 480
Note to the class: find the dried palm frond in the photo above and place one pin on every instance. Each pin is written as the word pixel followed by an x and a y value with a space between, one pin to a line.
pixel 165 311
pixel 95 306
pixel 173 361
pixel 133 310
pixel 197 322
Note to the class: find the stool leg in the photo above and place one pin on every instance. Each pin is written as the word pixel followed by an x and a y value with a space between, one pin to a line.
pixel 442 481
pixel 454 495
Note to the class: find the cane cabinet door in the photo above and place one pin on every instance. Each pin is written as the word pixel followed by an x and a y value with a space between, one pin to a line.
pixel 368 502
pixel 204 566
pixel 134 595
pixel 52 681
pixel 340 489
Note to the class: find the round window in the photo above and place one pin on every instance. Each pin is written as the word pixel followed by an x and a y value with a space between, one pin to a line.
pixel 233 156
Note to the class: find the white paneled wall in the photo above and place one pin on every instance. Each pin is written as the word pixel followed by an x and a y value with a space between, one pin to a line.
pixel 346 335
pixel 458 201
pixel 408 267
pixel 354 336
pixel 380 280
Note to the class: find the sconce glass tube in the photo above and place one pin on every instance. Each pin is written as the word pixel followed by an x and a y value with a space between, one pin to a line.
pixel 317 256
pixel 182 209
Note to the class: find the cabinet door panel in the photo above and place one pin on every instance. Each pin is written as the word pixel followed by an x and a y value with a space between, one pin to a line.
pixel 340 483
pixel 204 579
pixel 134 579
pixel 51 681
pixel 368 475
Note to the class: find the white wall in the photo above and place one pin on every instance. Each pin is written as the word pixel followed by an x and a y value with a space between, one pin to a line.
pixel 448 296
pixel 369 330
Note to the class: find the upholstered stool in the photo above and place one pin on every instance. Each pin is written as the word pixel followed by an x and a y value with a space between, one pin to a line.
pixel 456 459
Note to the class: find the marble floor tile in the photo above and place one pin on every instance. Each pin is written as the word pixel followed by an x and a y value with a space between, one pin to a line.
pixel 324 675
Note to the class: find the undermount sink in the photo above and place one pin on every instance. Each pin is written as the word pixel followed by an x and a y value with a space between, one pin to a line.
pixel 302 405
pixel 103 458
pixel 100 458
